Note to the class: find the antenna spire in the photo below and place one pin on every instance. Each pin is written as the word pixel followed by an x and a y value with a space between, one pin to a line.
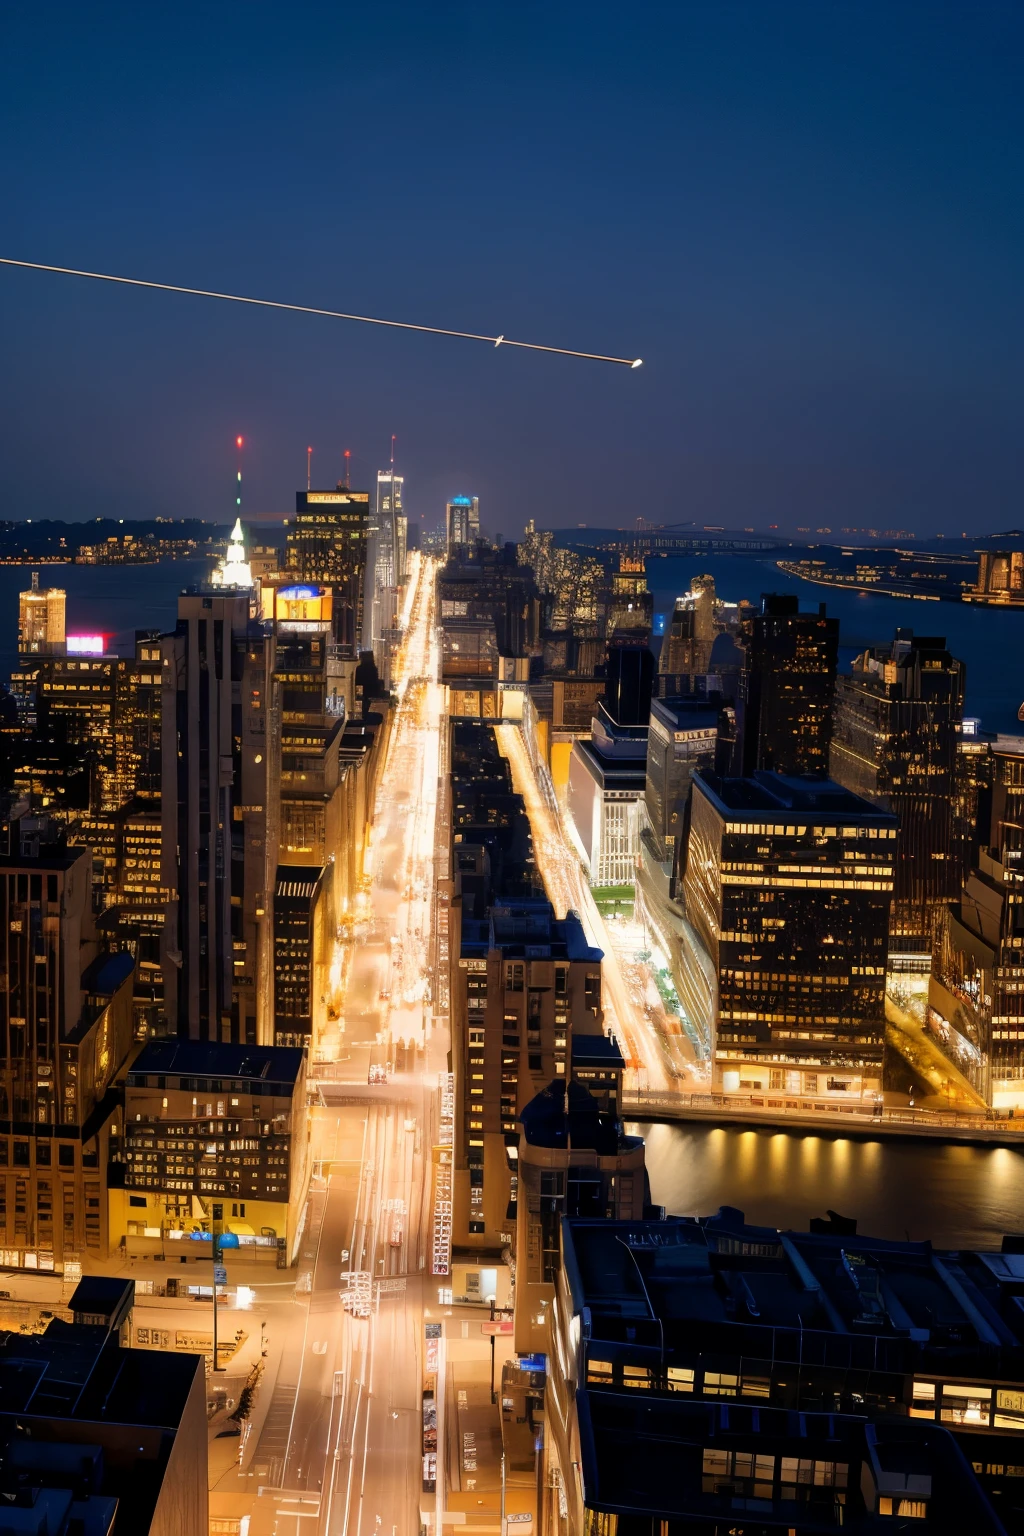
pixel 238 479
pixel 309 462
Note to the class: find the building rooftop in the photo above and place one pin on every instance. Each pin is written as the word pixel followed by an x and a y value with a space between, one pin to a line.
pixel 528 929
pixel 872 1303
pixel 107 973
pixel 767 794
pixel 598 1051
pixel 202 1058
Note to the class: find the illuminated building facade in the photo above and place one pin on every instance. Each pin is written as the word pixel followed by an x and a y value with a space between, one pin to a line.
pixel 385 568
pixel 65 1033
pixel 788 684
pixel 462 522
pixel 41 620
pixel 489 618
pixel 1000 578
pixel 691 631
pixel 976 989
pixel 788 887
pixel 682 736
pixel 326 543
pixel 895 739
pixel 300 952
pixel 216 797
pixel 219 1130
pixel 607 779
pixel 631 605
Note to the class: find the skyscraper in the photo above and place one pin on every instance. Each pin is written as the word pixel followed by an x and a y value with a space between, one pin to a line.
pixel 785 713
pixel 976 990
pixel 686 648
pixel 218 817
pixel 462 521
pixel 631 604
pixel 326 543
pixel 65 1031
pixel 41 623
pixel 385 566
pixel 788 885
pixel 894 741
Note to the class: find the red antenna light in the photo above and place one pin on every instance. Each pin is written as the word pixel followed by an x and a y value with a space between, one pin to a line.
pixel 238 442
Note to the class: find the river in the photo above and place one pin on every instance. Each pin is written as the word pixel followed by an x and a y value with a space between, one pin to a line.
pixel 956 1195
pixel 988 640
pixel 112 600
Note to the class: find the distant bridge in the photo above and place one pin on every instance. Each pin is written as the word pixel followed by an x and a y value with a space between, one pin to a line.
pixel 676 539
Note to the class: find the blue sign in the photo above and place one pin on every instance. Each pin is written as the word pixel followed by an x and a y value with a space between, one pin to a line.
pixel 220 1275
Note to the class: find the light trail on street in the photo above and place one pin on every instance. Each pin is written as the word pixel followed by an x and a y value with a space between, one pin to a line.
pixel 342 1435
pixel 568 890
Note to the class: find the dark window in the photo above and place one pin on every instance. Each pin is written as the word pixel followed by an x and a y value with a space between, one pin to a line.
pixel 21 1154
pixel 66 1157
pixel 137 1200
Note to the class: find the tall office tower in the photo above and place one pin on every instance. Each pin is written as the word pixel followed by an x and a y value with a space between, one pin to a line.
pixel 895 736
pixel 976 989
pixel 629 685
pixel 788 685
pixel 219 817
pixel 310 715
pixel 301 951
pixel 686 648
pixel 137 721
pixel 140 891
pixel 65 1033
pixel 385 565
pixel 682 736
pixel 489 614
pixel 41 625
pixel 631 605
pixel 788 886
pixel 605 791
pixel 326 543
pixel 462 521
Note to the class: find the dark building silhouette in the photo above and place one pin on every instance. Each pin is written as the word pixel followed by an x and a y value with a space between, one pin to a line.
pixel 629 685
pixel 785 712
pixel 895 741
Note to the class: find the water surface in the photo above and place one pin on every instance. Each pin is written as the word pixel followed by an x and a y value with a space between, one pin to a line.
pixel 956 1195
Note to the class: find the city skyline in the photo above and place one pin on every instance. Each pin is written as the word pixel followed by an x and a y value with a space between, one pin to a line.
pixel 511 911
pixel 797 238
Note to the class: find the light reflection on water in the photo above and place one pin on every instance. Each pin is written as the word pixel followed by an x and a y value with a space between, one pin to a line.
pixel 956 1195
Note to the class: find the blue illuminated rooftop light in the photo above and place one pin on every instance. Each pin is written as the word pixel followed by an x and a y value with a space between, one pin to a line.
pixel 462 501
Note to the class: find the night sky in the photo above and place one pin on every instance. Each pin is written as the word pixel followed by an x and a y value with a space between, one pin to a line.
pixel 806 218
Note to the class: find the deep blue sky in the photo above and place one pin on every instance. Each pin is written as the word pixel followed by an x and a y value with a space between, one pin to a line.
pixel 807 218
